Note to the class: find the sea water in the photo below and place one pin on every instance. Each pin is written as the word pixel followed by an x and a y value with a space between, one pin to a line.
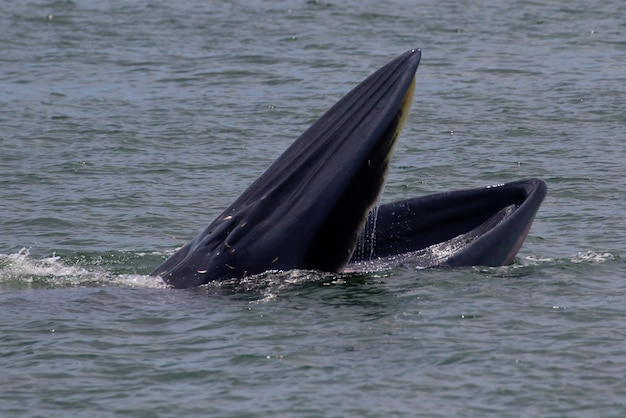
pixel 128 126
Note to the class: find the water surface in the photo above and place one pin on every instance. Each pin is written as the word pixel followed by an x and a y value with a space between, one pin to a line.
pixel 127 127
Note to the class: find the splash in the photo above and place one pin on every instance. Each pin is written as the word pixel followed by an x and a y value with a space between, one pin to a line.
pixel 367 240
pixel 267 286
pixel 22 270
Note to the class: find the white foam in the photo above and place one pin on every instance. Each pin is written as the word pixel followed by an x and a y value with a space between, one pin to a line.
pixel 51 271
pixel 592 257
pixel 137 280
pixel 581 257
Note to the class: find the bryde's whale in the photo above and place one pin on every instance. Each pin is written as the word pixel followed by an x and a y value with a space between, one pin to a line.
pixel 312 207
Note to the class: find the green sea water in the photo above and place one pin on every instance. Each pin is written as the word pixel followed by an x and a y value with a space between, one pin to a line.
pixel 126 127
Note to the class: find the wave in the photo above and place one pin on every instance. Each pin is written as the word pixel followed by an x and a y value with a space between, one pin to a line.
pixel 118 268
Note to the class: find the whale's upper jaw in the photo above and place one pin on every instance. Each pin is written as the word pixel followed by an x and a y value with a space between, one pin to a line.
pixel 307 210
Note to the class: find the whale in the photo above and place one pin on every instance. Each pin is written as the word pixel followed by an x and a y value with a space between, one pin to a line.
pixel 315 207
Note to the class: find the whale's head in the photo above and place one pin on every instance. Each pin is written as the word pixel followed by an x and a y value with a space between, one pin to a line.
pixel 307 209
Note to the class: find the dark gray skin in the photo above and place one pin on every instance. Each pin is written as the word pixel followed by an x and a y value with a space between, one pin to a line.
pixel 309 210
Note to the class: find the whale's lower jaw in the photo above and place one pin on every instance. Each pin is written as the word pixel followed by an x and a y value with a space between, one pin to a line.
pixel 473 227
